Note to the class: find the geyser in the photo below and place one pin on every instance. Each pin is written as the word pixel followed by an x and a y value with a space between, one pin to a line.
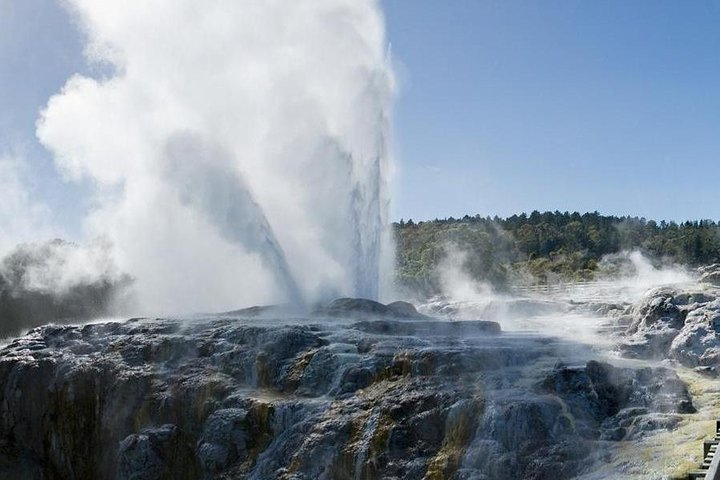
pixel 239 149
pixel 224 198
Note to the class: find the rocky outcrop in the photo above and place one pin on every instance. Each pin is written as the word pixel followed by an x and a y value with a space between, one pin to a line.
pixel 604 397
pixel 377 397
pixel 364 308
pixel 710 274
pixel 681 324
pixel 554 432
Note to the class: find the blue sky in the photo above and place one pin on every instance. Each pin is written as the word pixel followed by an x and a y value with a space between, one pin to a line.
pixel 503 106
pixel 577 105
pixel 39 49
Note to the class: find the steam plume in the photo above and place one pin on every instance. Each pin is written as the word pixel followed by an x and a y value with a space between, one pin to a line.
pixel 240 149
pixel 57 282
pixel 21 218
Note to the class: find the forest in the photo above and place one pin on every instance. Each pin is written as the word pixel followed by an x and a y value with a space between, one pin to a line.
pixel 544 247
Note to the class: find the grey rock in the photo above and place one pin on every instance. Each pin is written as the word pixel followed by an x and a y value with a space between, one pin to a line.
pixel 362 307
pixel 156 454
pixel 678 324
pixel 223 441
pixel 460 328
pixel 273 398
pixel 711 274
pixel 602 397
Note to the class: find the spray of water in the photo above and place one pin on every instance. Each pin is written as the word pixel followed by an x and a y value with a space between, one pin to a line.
pixel 239 149
pixel 21 218
pixel 223 196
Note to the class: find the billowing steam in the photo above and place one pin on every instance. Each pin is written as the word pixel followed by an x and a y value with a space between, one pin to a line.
pixel 623 279
pixel 455 280
pixel 21 218
pixel 239 149
pixel 57 282
pixel 636 273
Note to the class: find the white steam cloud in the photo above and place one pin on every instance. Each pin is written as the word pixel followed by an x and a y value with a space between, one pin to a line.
pixel 556 308
pixel 52 281
pixel 240 149
pixel 56 267
pixel 456 283
pixel 22 219
pixel 57 281
pixel 632 274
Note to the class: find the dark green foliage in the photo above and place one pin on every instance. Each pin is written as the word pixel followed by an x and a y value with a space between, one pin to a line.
pixel 544 246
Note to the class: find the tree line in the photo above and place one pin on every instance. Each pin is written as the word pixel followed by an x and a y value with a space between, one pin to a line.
pixel 544 247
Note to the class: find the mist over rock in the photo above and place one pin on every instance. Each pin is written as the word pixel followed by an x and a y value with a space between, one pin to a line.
pixel 346 308
pixel 600 391
pixel 263 397
pixel 58 282
pixel 363 307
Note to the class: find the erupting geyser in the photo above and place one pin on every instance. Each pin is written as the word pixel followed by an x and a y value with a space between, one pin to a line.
pixel 239 149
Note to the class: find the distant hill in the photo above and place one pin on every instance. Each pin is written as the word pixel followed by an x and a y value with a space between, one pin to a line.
pixel 543 247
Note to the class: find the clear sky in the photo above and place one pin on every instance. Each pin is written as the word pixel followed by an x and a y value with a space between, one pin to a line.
pixel 503 107
pixel 509 106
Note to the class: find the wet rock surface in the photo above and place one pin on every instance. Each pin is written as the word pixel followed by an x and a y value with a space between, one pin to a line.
pixel 373 393
pixel 364 308
pixel 682 324
pixel 710 274
pixel 603 396
pixel 497 309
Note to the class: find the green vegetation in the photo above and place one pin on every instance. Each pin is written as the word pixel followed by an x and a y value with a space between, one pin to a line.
pixel 544 247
